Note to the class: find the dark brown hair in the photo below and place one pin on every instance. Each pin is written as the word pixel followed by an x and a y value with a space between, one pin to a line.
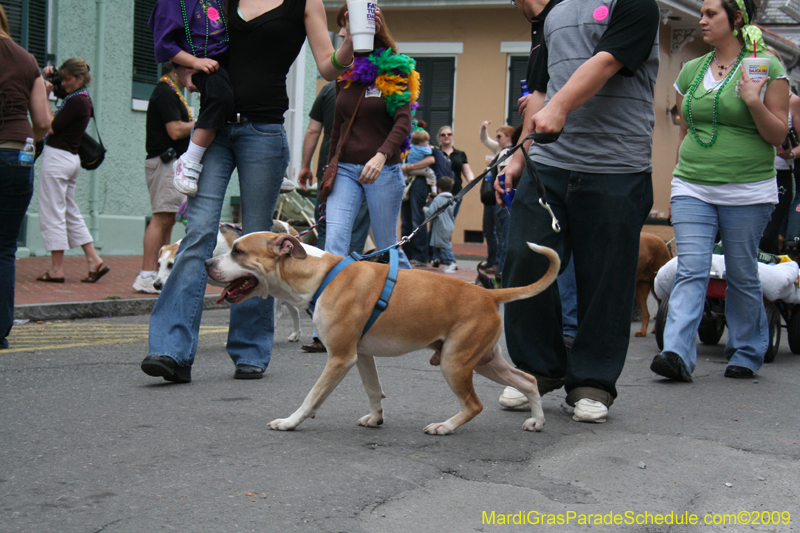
pixel 383 38
pixel 731 8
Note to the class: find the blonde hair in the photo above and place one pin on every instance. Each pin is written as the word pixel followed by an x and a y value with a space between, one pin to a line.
pixel 76 67
pixel 419 136
pixel 5 29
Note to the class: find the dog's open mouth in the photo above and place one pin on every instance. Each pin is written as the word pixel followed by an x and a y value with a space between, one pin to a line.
pixel 238 290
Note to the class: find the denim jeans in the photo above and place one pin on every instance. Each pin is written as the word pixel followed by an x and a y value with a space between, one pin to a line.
pixel 360 228
pixel 412 216
pixel 696 224
pixel 569 300
pixel 601 217
pixel 445 255
pixel 383 198
pixel 501 226
pixel 261 154
pixel 16 189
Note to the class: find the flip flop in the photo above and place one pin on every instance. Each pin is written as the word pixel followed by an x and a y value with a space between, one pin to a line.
pixel 94 276
pixel 48 278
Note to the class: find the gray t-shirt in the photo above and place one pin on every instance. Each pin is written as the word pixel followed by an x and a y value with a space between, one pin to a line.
pixel 612 132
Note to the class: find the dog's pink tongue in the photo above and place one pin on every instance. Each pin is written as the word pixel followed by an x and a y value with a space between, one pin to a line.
pixel 224 294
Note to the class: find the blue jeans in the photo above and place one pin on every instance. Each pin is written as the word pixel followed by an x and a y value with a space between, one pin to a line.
pixel 261 154
pixel 360 228
pixel 696 224
pixel 445 255
pixel 413 215
pixel 569 300
pixel 16 189
pixel 601 217
pixel 502 223
pixel 383 198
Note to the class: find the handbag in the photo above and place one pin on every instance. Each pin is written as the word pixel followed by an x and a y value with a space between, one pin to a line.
pixel 329 176
pixel 91 152
pixel 791 140
pixel 487 188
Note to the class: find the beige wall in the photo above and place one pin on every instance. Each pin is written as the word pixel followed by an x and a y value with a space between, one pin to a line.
pixel 481 79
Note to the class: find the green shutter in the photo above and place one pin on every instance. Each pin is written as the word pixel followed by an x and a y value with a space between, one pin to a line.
pixel 27 20
pixel 517 71
pixel 437 77
pixel 145 68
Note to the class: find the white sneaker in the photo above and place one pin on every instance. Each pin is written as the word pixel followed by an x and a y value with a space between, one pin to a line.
pixel 449 269
pixel 146 284
pixel 587 410
pixel 287 185
pixel 514 399
pixel 186 175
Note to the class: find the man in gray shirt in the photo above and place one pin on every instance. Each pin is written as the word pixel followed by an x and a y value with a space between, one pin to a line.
pixel 593 78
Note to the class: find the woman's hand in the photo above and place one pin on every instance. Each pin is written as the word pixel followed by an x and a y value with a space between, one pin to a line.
pixel 372 169
pixel 48 87
pixel 48 71
pixel 305 178
pixel 749 90
pixel 785 154
pixel 485 124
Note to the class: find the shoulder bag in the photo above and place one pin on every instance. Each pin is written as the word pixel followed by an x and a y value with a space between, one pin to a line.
pixel 329 176
pixel 91 152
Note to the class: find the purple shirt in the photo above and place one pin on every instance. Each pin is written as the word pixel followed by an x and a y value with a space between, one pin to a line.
pixel 205 21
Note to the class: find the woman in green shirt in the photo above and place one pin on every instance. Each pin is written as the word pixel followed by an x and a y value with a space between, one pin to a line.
pixel 724 181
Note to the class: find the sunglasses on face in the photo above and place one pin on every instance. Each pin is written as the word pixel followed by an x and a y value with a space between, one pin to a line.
pixel 445 135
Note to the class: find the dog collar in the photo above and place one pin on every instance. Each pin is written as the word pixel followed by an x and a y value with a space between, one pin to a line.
pixel 383 299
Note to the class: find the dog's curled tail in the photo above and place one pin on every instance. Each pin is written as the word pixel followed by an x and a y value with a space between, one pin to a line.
pixel 502 296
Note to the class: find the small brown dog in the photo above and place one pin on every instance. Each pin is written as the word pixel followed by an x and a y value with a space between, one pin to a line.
pixel 458 320
pixel 653 254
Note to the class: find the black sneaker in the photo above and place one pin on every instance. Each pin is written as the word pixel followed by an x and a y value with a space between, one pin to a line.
pixel 161 366
pixel 248 372
pixel 739 372
pixel 671 366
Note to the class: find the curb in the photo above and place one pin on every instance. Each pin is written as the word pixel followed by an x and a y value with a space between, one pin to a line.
pixel 98 309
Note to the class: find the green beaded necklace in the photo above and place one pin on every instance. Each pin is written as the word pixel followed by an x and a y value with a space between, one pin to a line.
pixel 206 5
pixel 690 96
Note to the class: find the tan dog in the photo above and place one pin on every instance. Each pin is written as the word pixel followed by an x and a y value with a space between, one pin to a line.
pixel 458 320
pixel 653 254
pixel 225 238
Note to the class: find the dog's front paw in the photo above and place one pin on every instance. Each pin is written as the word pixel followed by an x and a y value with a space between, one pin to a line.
pixel 533 424
pixel 294 337
pixel 370 421
pixel 282 424
pixel 438 429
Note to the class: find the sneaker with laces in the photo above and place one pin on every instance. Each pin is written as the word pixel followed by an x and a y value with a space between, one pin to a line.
pixel 146 284
pixel 587 410
pixel 514 399
pixel 186 175
pixel 449 269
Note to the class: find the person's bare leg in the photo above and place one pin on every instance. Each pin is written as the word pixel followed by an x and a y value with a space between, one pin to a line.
pixel 158 233
pixel 92 259
pixel 57 266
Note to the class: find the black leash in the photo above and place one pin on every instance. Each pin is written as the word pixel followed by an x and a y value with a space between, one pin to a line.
pixel 539 138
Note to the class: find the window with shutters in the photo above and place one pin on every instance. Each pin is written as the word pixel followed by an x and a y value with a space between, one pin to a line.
pixel 437 77
pixel 146 71
pixel 27 20
pixel 517 71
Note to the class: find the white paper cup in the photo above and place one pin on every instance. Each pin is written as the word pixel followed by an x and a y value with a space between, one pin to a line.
pixel 362 24
pixel 756 67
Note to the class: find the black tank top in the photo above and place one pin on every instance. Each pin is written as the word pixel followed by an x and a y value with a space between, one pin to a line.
pixel 261 52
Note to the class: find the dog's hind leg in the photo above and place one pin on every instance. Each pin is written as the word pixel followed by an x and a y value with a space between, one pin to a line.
pixel 295 314
pixel 499 371
pixel 458 374
pixel 369 377
pixel 335 371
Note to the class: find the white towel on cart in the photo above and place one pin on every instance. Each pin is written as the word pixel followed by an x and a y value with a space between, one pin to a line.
pixel 778 282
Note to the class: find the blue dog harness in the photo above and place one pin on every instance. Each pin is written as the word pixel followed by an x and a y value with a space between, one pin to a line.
pixel 383 300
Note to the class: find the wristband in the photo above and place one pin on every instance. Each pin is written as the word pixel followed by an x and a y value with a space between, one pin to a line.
pixel 339 66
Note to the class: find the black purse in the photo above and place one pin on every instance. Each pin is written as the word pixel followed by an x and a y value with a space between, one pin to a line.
pixel 91 152
pixel 487 188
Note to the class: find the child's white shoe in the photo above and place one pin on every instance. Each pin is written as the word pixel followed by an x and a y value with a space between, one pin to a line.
pixel 186 175
pixel 449 269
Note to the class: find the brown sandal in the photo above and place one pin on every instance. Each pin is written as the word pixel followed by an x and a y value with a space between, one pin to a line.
pixel 94 276
pixel 50 279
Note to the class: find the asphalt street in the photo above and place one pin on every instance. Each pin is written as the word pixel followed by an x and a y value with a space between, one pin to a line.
pixel 89 443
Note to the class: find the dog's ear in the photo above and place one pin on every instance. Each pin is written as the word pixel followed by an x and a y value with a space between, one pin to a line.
pixel 286 244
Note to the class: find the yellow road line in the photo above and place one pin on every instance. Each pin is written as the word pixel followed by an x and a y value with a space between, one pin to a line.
pixel 37 337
